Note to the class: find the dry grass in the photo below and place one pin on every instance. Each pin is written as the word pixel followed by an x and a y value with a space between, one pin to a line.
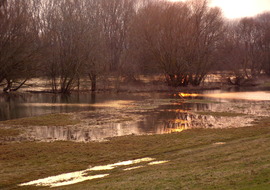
pixel 44 120
pixel 222 114
pixel 197 161
pixel 9 132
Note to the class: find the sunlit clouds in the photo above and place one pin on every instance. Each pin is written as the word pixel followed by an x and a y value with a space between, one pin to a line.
pixel 242 8
pixel 239 8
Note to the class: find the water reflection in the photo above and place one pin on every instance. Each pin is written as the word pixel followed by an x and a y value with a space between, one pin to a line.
pixel 175 116
pixel 166 120
pixel 84 175
pixel 253 96
pixel 29 104
pixel 83 134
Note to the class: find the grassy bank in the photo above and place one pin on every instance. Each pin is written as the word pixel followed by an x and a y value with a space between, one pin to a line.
pixel 198 159
pixel 221 114
pixel 43 120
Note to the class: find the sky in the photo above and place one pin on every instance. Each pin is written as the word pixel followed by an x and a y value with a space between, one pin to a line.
pixel 240 8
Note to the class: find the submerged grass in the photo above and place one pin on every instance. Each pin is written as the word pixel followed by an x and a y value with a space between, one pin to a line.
pixel 197 160
pixel 44 120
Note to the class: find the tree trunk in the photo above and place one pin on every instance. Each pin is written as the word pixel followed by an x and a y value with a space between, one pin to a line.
pixel 8 87
pixel 93 83
pixel 17 88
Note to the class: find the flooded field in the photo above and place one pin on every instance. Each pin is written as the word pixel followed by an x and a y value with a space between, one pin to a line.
pixel 103 116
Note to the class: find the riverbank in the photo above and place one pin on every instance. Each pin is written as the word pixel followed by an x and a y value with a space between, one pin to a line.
pixel 222 145
pixel 236 158
pixel 143 84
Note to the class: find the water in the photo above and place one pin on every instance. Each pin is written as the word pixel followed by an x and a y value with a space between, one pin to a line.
pixel 174 116
pixel 87 174
pixel 28 105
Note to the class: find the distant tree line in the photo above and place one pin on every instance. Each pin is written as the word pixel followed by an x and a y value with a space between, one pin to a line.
pixel 70 40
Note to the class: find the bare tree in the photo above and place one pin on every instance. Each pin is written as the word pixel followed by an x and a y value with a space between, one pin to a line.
pixel 263 41
pixel 74 40
pixel 94 44
pixel 232 55
pixel 205 36
pixel 116 16
pixel 245 49
pixel 182 38
pixel 18 43
pixel 248 36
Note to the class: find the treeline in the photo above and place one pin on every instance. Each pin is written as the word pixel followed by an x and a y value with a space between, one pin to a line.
pixel 70 40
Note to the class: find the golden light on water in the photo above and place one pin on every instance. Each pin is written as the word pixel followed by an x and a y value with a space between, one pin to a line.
pixel 187 95
pixel 177 111
pixel 179 121
pixel 253 96
pixel 178 130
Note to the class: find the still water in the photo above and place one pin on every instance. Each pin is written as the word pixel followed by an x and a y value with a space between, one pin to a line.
pixel 33 104
pixel 180 114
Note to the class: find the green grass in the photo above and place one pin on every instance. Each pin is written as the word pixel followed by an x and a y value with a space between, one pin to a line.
pixel 221 114
pixel 44 120
pixel 195 161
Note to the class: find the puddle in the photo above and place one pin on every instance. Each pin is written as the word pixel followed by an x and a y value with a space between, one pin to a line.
pixel 219 143
pixel 84 175
pixel 133 168
pixel 127 114
pixel 158 162
pixel 124 163
pixel 166 119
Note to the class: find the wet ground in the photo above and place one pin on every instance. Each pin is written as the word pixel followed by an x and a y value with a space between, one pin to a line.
pixel 85 175
pixel 109 115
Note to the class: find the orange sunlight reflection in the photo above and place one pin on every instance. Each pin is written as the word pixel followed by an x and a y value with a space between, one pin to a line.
pixel 187 95
pixel 254 96
pixel 177 125
pixel 179 121
pixel 177 111
pixel 178 130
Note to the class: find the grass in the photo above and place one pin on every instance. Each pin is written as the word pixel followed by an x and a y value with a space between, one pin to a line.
pixel 201 101
pixel 196 160
pixel 263 121
pixel 266 84
pixel 222 114
pixel 9 132
pixel 43 120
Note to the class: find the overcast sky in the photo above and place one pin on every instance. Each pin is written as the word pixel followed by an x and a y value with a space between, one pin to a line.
pixel 240 8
